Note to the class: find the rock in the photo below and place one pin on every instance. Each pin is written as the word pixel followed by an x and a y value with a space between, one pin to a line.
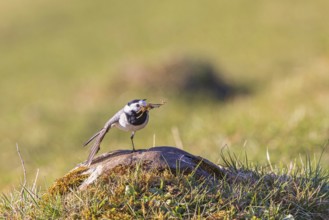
pixel 155 158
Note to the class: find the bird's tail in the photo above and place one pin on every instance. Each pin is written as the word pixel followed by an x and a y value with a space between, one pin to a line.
pixel 96 146
pixel 92 138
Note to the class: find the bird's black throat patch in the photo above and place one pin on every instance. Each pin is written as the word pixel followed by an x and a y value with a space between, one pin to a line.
pixel 137 119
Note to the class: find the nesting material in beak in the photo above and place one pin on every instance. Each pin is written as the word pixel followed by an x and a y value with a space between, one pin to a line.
pixel 150 106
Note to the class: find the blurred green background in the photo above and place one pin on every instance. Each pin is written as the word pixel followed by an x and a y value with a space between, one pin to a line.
pixel 63 67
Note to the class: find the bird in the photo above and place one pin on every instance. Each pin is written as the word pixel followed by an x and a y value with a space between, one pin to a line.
pixel 132 117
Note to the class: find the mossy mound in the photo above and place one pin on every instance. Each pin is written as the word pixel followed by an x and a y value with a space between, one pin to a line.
pixel 138 189
pixel 141 192
pixel 130 193
pixel 155 160
pixel 70 181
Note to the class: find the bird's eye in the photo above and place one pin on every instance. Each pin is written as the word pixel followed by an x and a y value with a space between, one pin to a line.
pixel 137 105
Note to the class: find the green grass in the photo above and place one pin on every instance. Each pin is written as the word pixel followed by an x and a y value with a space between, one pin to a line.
pixel 248 191
pixel 60 61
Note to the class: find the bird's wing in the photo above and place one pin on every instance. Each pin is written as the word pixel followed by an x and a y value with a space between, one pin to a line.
pixel 100 135
pixel 114 119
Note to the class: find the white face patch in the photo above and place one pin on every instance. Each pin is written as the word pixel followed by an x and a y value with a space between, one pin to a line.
pixel 143 103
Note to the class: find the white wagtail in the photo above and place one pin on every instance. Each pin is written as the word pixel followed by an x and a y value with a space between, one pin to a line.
pixel 133 117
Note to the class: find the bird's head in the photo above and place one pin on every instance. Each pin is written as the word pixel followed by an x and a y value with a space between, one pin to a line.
pixel 140 106
pixel 136 106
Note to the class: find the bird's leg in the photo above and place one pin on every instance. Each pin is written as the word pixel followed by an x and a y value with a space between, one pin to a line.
pixel 132 140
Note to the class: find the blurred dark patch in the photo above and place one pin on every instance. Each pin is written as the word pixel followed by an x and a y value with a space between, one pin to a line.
pixel 183 76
